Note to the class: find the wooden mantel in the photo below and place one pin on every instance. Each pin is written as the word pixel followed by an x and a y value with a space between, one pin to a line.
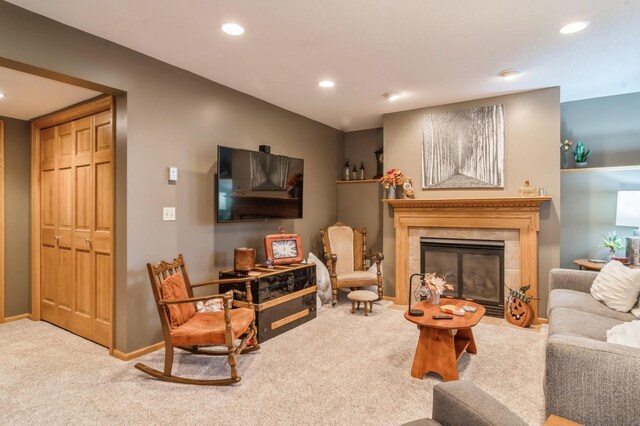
pixel 521 213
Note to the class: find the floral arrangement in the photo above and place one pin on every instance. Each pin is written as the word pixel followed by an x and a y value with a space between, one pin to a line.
pixel 393 177
pixel 564 146
pixel 434 283
pixel 612 241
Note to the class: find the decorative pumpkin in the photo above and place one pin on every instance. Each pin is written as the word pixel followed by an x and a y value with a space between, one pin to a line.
pixel 518 311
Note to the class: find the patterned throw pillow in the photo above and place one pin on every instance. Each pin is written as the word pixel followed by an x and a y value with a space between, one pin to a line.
pixel 213 305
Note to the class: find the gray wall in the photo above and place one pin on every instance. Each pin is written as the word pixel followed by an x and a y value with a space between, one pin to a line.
pixel 360 146
pixel 609 126
pixel 532 133
pixel 589 211
pixel 176 118
pixel 17 178
pixel 359 203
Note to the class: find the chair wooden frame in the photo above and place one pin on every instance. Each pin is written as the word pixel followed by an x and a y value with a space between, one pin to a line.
pixel 157 274
pixel 360 256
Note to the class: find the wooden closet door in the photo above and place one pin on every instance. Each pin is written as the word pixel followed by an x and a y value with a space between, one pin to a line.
pixel 48 225
pixel 76 226
pixel 64 223
pixel 101 241
pixel 84 289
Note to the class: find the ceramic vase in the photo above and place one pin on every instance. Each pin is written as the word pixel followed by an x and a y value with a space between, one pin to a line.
pixel 391 192
pixel 581 164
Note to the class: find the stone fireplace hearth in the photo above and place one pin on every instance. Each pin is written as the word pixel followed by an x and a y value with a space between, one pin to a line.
pixel 514 220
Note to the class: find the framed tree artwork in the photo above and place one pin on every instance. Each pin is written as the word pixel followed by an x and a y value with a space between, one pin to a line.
pixel 463 149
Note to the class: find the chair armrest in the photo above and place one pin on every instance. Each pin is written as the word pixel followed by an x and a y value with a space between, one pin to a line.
pixel 375 256
pixel 331 263
pixel 226 298
pixel 582 374
pixel 571 279
pixel 463 403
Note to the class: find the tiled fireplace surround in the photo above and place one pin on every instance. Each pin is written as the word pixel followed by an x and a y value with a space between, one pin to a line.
pixel 514 220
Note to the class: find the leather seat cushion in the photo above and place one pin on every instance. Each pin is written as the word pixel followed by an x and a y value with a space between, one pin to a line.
pixel 207 328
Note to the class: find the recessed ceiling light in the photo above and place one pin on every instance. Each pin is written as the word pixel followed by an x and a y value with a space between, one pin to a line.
pixel 509 74
pixel 574 27
pixel 326 83
pixel 232 28
pixel 392 96
pixel 1 95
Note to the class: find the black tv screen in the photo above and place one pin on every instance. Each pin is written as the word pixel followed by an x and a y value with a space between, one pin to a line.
pixel 253 185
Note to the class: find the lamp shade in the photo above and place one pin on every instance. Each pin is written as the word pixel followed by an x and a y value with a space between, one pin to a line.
pixel 628 210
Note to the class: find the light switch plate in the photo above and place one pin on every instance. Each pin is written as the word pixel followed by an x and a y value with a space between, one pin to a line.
pixel 168 214
pixel 173 174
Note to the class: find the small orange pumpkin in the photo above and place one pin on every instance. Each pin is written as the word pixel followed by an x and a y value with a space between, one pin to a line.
pixel 517 309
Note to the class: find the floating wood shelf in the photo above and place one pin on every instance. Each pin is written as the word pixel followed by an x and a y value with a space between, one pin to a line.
pixel 357 181
pixel 600 169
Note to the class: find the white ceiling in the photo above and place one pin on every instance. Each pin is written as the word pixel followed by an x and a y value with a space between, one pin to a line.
pixel 436 52
pixel 28 96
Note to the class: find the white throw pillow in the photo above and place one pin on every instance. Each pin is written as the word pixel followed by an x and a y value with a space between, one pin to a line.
pixel 374 268
pixel 636 310
pixel 617 286
pixel 627 334
pixel 323 279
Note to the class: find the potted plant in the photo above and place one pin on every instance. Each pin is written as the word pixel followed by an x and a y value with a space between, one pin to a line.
pixel 580 154
pixel 613 242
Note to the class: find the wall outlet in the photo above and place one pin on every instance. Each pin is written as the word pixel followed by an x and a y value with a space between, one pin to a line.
pixel 168 214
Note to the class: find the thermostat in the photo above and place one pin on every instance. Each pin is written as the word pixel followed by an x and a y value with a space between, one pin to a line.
pixel 173 174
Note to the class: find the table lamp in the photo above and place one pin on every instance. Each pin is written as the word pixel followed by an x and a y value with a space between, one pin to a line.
pixel 628 214
pixel 422 291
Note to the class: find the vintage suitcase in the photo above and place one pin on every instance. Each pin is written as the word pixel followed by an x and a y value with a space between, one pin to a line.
pixel 284 297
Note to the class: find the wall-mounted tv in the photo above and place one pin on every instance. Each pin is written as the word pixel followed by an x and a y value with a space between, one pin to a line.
pixel 253 185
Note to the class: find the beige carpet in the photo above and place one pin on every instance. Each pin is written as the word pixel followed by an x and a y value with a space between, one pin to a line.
pixel 338 369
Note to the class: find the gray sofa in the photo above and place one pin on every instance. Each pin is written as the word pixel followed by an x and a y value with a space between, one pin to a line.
pixel 461 403
pixel 587 379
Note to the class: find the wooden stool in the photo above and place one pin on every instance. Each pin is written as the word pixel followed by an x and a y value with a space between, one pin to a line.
pixel 365 296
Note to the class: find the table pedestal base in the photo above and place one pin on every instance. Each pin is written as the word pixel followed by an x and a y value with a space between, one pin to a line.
pixel 439 350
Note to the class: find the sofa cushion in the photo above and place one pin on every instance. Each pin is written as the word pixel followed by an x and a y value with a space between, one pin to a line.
pixel 581 301
pixel 617 286
pixel 572 322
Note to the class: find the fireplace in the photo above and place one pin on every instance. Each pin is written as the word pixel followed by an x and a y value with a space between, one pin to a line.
pixel 474 267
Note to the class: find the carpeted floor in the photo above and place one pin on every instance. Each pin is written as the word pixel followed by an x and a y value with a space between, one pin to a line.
pixel 338 369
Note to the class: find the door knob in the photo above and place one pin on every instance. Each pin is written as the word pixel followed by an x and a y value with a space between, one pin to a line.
pixel 87 240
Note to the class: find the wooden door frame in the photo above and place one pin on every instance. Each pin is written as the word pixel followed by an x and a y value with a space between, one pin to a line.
pixel 2 222
pixel 75 112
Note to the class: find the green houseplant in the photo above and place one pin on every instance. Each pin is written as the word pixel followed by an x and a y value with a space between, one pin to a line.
pixel 581 154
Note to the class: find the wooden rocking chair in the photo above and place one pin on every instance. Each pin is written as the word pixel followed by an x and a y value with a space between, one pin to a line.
pixel 188 330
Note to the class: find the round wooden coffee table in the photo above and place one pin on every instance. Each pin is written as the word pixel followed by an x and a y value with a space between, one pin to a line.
pixel 442 342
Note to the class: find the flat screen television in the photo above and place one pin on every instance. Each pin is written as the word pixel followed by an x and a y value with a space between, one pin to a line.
pixel 253 185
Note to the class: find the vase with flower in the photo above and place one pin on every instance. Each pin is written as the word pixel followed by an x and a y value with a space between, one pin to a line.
pixel 391 180
pixel 613 242
pixel 565 153
pixel 432 286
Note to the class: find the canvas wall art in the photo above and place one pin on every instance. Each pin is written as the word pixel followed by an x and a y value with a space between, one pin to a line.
pixel 463 149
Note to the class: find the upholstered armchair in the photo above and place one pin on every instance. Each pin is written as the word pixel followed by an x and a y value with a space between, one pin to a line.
pixel 345 253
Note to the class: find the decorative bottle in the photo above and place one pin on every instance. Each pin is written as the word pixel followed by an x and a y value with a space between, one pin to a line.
pixel 527 190
pixel 354 172
pixel 361 176
pixel 346 170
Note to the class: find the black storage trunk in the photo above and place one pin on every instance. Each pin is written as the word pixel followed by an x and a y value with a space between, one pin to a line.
pixel 284 297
